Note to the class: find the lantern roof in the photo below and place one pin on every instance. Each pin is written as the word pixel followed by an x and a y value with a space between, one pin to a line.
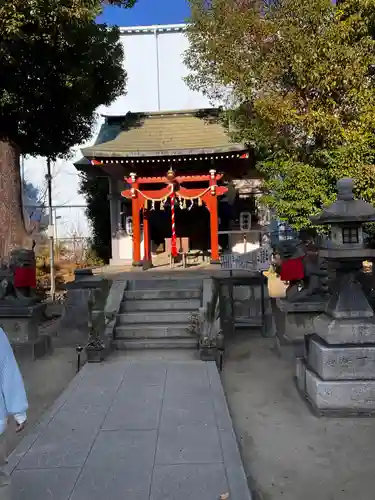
pixel 345 209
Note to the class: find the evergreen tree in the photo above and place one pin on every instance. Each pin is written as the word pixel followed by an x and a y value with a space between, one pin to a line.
pixel 297 79
pixel 56 67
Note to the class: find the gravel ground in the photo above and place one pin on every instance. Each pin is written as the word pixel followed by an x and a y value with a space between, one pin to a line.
pixel 44 379
pixel 287 452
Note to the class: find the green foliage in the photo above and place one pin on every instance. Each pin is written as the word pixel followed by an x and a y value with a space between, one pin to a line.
pixel 56 67
pixel 297 79
pixel 91 258
pixel 14 15
pixel 96 192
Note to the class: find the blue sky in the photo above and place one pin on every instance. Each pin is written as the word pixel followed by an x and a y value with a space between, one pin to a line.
pixel 147 12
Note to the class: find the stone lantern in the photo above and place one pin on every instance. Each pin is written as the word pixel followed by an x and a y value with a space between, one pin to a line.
pixel 337 374
pixel 345 217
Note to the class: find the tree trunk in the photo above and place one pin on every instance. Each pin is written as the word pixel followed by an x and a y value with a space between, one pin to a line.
pixel 12 227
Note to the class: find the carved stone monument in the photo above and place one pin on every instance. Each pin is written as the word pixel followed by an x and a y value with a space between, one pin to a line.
pixel 337 375
pixel 76 315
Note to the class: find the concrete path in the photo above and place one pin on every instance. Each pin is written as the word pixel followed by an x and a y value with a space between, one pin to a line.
pixel 134 430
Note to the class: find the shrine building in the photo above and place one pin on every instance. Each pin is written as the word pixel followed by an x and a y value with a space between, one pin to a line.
pixel 175 184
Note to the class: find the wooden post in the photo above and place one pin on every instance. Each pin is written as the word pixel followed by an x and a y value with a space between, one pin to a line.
pixel 214 219
pixel 147 260
pixel 136 222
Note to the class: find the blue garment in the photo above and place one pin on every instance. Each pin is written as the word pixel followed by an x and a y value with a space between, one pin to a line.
pixel 13 400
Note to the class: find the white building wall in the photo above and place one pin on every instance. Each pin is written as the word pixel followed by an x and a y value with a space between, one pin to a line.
pixel 154 64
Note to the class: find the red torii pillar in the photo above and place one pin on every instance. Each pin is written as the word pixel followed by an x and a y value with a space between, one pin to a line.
pixel 214 219
pixel 210 199
pixel 136 218
pixel 208 196
pixel 147 260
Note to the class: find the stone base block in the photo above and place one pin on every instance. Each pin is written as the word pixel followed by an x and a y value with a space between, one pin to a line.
pixel 341 362
pixel 96 355
pixel 33 349
pixel 301 375
pixel 293 322
pixel 314 305
pixel 340 398
pixel 21 323
pixel 208 354
pixel 76 311
pixel 345 331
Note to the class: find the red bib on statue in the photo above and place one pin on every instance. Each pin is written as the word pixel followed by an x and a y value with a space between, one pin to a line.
pixel 292 270
pixel 25 277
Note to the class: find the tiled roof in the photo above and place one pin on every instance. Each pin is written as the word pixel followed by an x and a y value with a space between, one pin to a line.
pixel 162 134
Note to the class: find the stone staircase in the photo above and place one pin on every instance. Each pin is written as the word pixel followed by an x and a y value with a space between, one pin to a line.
pixel 156 314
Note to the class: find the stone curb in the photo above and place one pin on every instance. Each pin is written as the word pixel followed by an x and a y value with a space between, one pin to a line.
pixel 237 480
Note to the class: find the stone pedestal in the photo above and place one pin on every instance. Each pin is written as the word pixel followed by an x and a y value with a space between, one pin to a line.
pixel 207 353
pixel 335 397
pixel 76 313
pixel 21 324
pixel 337 376
pixel 341 362
pixel 294 322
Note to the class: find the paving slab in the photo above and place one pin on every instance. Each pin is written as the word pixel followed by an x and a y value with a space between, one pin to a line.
pixel 152 429
pixel 183 409
pixel 119 466
pixel 44 483
pixel 197 443
pixel 189 481
pixel 135 410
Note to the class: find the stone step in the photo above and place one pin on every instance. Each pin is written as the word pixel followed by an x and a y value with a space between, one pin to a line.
pixel 160 305
pixel 163 343
pixel 154 317
pixel 153 331
pixel 165 284
pixel 193 293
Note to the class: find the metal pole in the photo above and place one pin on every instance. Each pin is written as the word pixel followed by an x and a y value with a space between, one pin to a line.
pixel 79 350
pixel 231 300
pixel 157 67
pixel 51 238
pixel 55 225
pixel 262 298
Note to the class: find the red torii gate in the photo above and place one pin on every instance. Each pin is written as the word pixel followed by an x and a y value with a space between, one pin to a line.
pixel 173 189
